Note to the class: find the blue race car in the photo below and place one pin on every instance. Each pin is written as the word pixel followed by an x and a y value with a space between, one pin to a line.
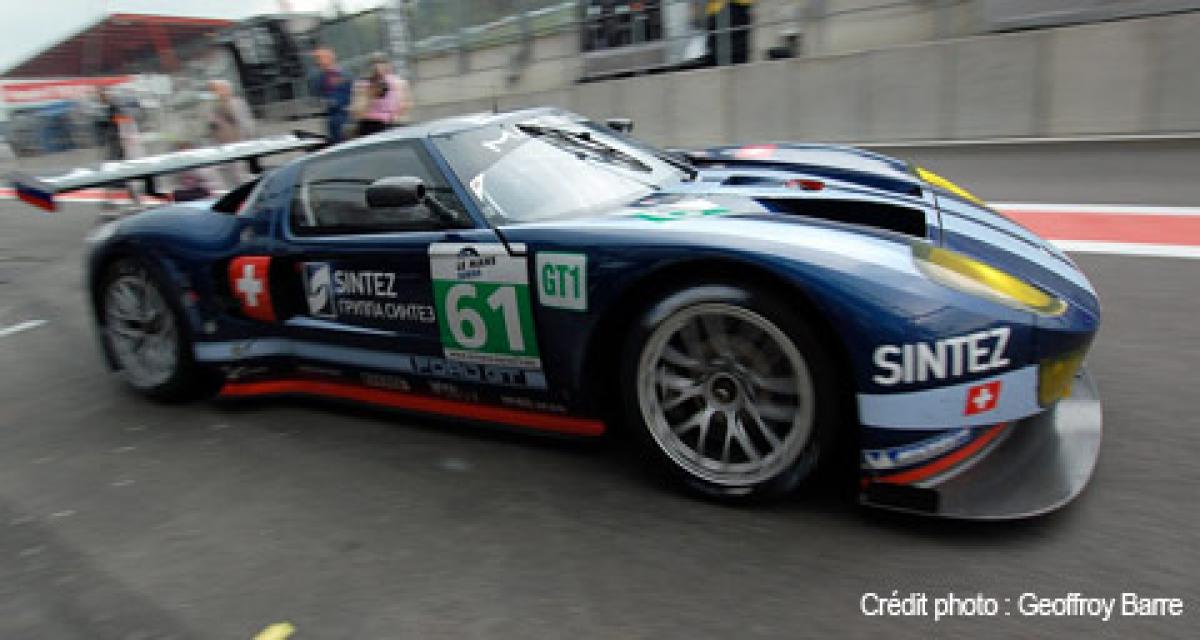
pixel 738 309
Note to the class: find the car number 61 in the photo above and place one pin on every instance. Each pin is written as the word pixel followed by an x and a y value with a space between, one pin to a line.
pixel 467 325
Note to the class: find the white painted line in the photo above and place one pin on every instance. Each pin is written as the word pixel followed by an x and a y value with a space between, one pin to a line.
pixel 1120 209
pixel 22 326
pixel 1030 140
pixel 1129 249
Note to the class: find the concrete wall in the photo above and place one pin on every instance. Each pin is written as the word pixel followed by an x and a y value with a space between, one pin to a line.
pixel 1124 77
pixel 485 73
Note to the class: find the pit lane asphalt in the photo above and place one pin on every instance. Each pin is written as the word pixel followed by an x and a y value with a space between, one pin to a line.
pixel 124 519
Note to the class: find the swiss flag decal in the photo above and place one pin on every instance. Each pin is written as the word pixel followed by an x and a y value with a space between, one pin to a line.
pixel 982 398
pixel 248 281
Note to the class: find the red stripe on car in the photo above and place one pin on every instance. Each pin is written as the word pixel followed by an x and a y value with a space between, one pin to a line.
pixel 946 462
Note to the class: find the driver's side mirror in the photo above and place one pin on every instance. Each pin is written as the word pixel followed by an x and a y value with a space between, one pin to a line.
pixel 624 125
pixel 400 191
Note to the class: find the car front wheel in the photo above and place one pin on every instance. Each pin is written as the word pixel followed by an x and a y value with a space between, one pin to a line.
pixel 731 389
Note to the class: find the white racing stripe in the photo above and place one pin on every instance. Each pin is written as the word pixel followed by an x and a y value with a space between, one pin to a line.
pixel 21 326
pixel 945 407
pixel 1118 209
pixel 1129 249
pixel 427 366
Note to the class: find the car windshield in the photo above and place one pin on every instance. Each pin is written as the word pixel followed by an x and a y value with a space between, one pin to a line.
pixel 537 171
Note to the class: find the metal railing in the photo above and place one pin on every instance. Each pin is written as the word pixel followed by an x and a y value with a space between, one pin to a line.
pixel 616 38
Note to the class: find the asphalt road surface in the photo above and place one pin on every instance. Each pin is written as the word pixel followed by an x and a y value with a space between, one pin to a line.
pixel 124 519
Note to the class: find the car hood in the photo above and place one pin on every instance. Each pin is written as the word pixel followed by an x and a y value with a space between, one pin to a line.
pixel 854 185
pixel 842 167
pixel 856 192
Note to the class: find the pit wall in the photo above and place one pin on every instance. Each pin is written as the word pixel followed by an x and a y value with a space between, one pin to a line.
pixel 1126 77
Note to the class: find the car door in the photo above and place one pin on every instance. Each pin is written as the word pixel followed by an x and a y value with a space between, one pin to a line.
pixel 392 294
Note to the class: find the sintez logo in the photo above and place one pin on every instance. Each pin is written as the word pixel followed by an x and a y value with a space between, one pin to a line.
pixel 318 288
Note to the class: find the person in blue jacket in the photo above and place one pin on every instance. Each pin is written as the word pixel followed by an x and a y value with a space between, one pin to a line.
pixel 335 88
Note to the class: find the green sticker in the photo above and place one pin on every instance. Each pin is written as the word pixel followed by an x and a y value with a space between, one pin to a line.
pixel 562 280
pixel 679 214
pixel 484 318
pixel 483 305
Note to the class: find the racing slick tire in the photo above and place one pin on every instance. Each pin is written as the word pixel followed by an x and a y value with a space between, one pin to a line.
pixel 729 391
pixel 146 335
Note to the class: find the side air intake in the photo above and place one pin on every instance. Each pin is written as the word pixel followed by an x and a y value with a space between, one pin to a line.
pixel 891 217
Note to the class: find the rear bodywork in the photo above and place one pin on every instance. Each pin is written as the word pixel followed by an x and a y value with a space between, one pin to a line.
pixel 947 388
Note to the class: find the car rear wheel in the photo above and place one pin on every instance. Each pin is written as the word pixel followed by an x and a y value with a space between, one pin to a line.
pixel 143 331
pixel 731 389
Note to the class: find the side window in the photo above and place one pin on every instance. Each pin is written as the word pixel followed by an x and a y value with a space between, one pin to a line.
pixel 332 197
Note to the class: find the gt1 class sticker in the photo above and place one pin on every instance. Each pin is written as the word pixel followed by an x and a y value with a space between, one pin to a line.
pixel 562 280
pixel 364 294
pixel 943 359
pixel 483 305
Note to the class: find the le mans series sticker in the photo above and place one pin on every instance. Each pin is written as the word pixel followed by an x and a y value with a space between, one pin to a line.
pixel 484 311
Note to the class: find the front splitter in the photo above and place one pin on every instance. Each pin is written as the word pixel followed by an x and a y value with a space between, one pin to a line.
pixel 1042 463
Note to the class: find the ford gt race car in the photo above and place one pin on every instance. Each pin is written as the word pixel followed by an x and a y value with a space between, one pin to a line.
pixel 737 309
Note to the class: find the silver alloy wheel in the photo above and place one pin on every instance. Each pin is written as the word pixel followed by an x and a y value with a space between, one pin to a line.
pixel 726 394
pixel 141 329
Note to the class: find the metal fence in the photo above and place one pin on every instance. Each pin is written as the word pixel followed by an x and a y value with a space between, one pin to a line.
pixel 438 25
pixel 610 38
pixel 623 37
pixel 617 37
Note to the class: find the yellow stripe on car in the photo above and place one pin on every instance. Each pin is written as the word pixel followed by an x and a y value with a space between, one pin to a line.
pixel 1055 376
pixel 955 270
pixel 935 180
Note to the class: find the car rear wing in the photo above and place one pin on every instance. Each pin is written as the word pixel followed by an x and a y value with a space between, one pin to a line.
pixel 40 191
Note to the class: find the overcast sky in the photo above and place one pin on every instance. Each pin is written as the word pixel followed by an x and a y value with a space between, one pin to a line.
pixel 27 26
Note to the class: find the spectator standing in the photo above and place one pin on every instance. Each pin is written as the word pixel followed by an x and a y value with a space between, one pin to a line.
pixel 381 99
pixel 229 121
pixel 335 89
pixel 114 127
pixel 728 23
pixel 116 133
